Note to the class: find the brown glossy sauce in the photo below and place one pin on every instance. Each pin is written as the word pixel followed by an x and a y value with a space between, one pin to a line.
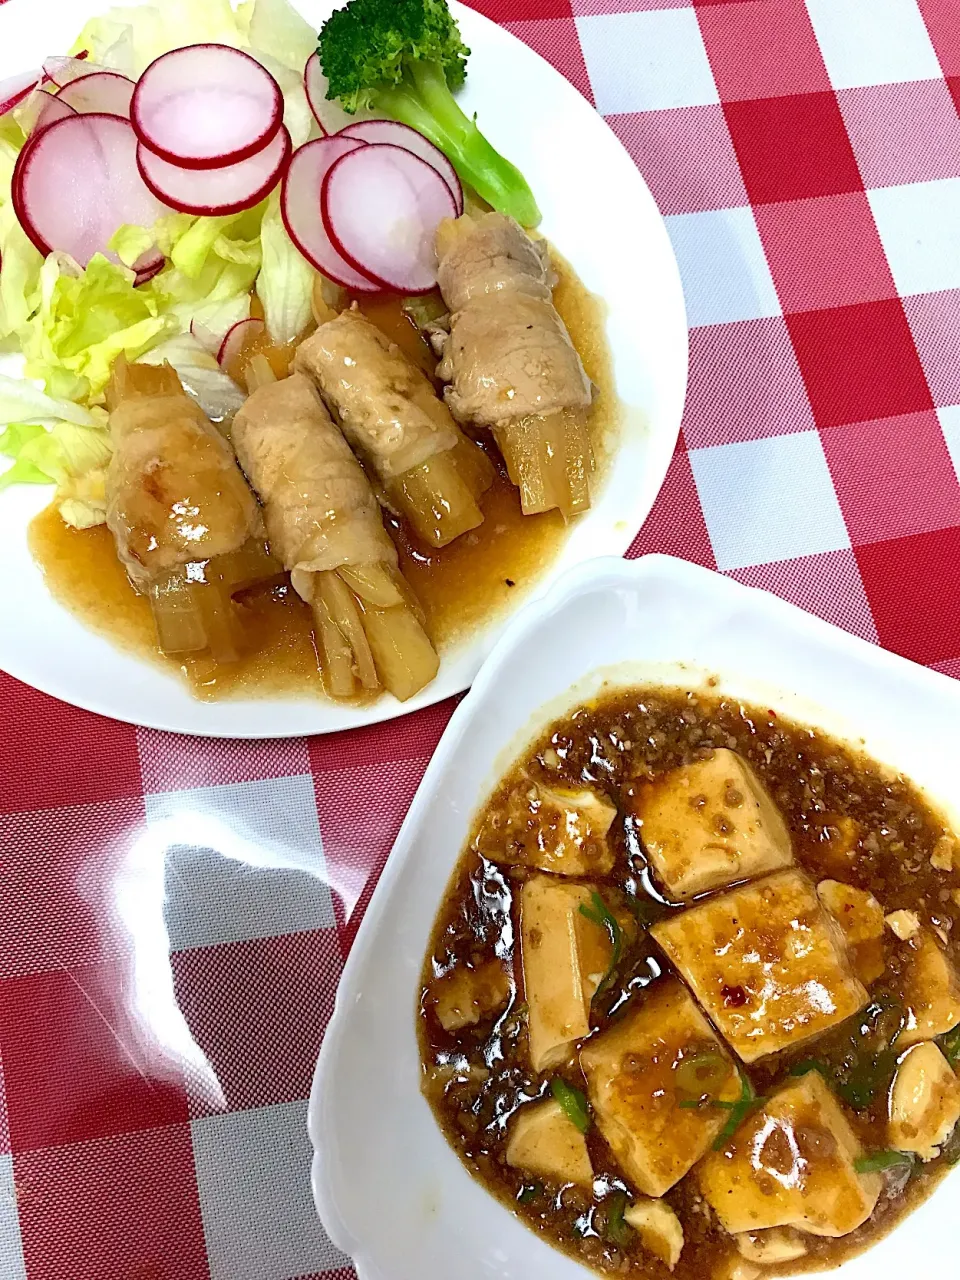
pixel 476 1078
pixel 461 586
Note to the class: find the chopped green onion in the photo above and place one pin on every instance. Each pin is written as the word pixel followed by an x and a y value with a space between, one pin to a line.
pixel 739 1110
pixel 529 1193
pixel 599 913
pixel 616 1229
pixel 950 1044
pixel 882 1160
pixel 697 1074
pixel 807 1065
pixel 573 1102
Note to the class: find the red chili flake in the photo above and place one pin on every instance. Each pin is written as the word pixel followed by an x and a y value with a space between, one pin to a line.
pixel 771 713
pixel 734 997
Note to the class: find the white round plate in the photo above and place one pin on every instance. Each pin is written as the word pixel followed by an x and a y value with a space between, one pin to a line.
pixel 599 213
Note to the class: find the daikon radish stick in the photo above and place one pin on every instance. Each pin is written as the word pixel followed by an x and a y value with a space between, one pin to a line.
pixel 337 662
pixel 436 500
pixel 474 466
pixel 373 583
pixel 579 459
pixel 405 658
pixel 341 604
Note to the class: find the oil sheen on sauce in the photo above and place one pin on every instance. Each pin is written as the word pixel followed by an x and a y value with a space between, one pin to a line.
pixel 460 586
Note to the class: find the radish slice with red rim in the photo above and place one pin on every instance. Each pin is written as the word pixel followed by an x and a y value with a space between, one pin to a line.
pixel 50 112
pixel 14 89
pixel 76 183
pixel 329 115
pixel 300 206
pixel 381 209
pixel 103 91
pixel 216 191
pixel 148 265
pixel 61 70
pixel 401 135
pixel 236 338
pixel 206 106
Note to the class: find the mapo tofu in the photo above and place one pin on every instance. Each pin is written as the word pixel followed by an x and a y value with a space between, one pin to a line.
pixel 692 1002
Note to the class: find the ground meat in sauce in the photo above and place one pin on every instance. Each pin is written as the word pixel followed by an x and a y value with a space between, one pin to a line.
pixel 849 820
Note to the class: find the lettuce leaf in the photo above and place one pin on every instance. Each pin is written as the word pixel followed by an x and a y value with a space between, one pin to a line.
pixel 74 458
pixel 217 394
pixel 285 282
pixel 21 401
pixel 143 32
pixel 85 320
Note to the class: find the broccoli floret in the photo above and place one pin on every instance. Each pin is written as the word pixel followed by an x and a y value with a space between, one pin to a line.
pixel 403 58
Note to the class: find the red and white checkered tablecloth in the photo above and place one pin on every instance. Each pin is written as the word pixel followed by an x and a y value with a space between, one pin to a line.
pixel 174 913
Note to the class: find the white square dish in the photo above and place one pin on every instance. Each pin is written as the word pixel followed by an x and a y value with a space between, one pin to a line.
pixel 389 1189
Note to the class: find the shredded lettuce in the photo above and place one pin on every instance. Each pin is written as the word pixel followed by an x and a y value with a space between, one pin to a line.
pixel 217 394
pixel 144 32
pixel 85 321
pixel 285 282
pixel 22 401
pixel 72 457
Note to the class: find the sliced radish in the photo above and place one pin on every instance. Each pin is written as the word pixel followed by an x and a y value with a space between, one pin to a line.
pixel 300 205
pixel 49 110
pixel 148 265
pixel 237 338
pixel 62 70
pixel 205 106
pixel 76 183
pixel 102 91
pixel 328 113
pixel 381 209
pixel 217 191
pixel 14 89
pixel 401 135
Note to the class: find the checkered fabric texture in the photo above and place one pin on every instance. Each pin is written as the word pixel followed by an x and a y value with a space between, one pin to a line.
pixel 174 913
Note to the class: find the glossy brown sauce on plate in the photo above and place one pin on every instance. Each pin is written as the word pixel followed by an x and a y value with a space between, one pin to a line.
pixel 849 820
pixel 460 586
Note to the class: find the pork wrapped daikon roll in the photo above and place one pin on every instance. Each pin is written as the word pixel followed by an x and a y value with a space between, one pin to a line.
pixel 509 362
pixel 323 523
pixel 186 526
pixel 425 466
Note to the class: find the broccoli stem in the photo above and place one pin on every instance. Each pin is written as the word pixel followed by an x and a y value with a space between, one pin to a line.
pixel 425 103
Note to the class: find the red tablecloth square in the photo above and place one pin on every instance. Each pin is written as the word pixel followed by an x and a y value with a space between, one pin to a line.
pixel 75 1064
pixel 57 884
pixel 557 41
pixel 59 755
pixel 123 1209
pixel 793 147
pixel 676 522
pixel 519 10
pixel 827 584
pixel 868 463
pixel 784 55
pixel 859 362
pixel 914 589
pixel 944 28
pixel 849 266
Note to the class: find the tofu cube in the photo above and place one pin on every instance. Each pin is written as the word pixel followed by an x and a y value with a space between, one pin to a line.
pixel 931 992
pixel 466 995
pixel 659 1230
pixel 924 1102
pixel 766 962
pixel 860 917
pixel 545 1143
pixel 707 824
pixel 638 1072
pixel 565 957
pixel 792 1164
pixel 555 829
